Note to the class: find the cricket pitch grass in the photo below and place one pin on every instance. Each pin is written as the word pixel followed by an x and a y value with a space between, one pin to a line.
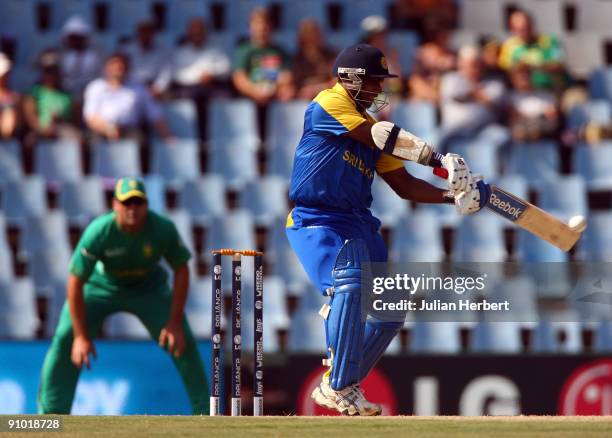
pixel 319 427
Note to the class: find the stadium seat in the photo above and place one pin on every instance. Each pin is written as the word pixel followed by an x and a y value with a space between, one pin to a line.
pixel 239 13
pixel 125 14
pixel 283 260
pixel 182 221
pixel 515 184
pixel 6 259
pixel 387 205
pixel 179 12
pixel 307 330
pixel 58 160
pixel 483 16
pixel 596 243
pixel 266 198
pixel 125 325
pixel 199 308
pixel 537 161
pixel 65 9
pixel 548 15
pixel 481 156
pixel 496 337
pixel 600 84
pixel 584 52
pixel 116 159
pixel 338 40
pixel 82 200
pixel 479 238
pixel 176 162
pixel 532 249
pixel 566 196
pixel 236 162
pixel 233 230
pixel 285 126
pixel 182 118
pixel 599 111
pixel 46 232
pixel 521 293
pixel 603 337
pixel 406 43
pixel 593 16
pixel 19 318
pixel 593 163
pixel 416 117
pixel 203 198
pixel 156 193
pixel 417 238
pixel 231 121
pixel 435 337
pixel 353 11
pixel 24 198
pixel 293 13
pixel 48 268
pixel 10 161
pixel 560 334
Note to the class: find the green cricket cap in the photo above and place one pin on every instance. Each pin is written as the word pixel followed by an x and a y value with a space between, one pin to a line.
pixel 130 188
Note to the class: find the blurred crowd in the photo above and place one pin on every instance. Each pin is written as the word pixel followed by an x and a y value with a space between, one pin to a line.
pixel 520 84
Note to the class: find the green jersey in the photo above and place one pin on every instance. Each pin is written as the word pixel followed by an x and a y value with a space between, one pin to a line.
pixel 111 259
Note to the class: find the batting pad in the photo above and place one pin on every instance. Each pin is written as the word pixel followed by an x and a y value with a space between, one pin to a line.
pixel 378 335
pixel 344 324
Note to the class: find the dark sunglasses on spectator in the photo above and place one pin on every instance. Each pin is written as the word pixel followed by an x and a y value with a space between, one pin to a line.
pixel 134 201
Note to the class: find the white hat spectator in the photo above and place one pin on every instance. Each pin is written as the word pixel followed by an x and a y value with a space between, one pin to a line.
pixel 374 24
pixel 76 25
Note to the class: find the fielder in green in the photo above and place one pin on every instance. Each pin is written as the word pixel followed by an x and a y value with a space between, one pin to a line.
pixel 116 268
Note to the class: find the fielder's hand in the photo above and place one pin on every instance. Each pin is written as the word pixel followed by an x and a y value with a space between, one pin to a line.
pixel 173 337
pixel 82 347
pixel 459 175
pixel 474 198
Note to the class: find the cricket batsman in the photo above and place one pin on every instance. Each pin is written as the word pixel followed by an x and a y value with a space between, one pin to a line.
pixel 331 228
pixel 116 268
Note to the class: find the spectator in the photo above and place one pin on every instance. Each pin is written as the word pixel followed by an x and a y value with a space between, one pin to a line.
pixel 150 63
pixel 80 63
pixel 491 49
pixel 374 30
pixel 313 61
pixel 200 71
pixel 433 59
pixel 9 100
pixel 48 109
pixel 543 53
pixel 415 15
pixel 262 71
pixel 115 107
pixel 469 102
pixel 533 113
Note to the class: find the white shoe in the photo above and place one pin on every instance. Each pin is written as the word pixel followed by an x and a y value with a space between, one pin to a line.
pixel 347 401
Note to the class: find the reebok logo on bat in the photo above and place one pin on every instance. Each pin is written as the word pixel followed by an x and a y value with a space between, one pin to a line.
pixel 505 205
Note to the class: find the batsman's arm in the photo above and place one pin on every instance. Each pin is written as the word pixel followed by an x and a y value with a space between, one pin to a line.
pixel 414 189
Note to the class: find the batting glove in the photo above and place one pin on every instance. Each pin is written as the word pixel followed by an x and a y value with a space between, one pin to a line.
pixel 472 200
pixel 459 175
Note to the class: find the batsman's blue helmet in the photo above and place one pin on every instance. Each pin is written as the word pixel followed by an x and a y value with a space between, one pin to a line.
pixel 364 60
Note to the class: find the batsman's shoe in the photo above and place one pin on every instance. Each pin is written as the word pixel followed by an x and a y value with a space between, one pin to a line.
pixel 348 401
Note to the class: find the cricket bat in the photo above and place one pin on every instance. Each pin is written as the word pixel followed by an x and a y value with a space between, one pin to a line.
pixel 404 145
pixel 528 216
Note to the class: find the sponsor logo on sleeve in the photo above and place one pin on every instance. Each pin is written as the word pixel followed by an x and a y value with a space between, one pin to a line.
pixel 505 205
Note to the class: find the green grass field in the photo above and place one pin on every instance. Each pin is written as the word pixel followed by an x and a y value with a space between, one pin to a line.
pixel 320 427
